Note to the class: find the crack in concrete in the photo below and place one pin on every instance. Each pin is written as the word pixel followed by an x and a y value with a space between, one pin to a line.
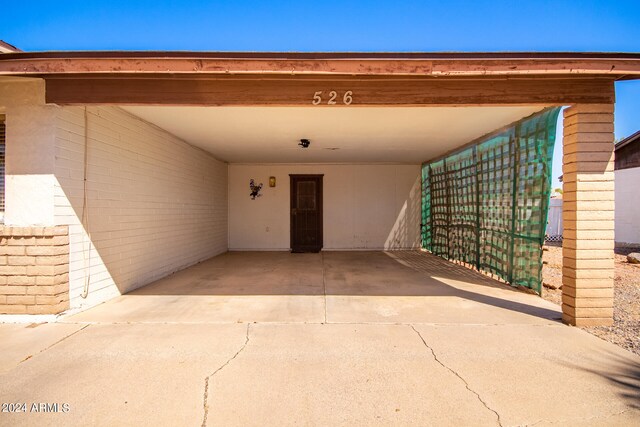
pixel 435 357
pixel 205 406
pixel 55 343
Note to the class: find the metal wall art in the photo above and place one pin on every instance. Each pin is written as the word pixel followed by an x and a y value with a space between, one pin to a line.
pixel 255 189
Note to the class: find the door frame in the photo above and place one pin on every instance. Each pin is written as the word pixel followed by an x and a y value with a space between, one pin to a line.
pixel 320 208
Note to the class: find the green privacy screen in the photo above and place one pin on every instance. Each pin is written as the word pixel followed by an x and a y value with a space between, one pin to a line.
pixel 487 204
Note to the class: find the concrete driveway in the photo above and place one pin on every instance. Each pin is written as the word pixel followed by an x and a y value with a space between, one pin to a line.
pixel 338 338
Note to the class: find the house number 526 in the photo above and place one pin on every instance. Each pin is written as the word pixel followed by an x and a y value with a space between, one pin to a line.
pixel 347 98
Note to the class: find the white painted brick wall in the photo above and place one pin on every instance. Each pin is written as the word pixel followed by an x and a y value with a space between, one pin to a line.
pixel 155 203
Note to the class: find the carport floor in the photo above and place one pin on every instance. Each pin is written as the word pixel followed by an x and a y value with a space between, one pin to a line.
pixel 330 339
pixel 329 287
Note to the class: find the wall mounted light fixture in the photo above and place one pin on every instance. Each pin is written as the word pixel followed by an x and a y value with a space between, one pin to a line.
pixel 272 181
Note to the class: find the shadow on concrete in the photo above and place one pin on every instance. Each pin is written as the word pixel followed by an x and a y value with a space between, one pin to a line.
pixel 619 369
pixel 397 273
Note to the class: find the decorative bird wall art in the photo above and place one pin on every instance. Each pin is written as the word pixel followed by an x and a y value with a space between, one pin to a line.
pixel 255 189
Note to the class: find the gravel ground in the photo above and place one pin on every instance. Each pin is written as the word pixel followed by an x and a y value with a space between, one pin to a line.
pixel 625 331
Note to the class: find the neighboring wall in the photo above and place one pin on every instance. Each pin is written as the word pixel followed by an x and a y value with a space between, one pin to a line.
pixel 154 204
pixel 628 152
pixel 553 232
pixel 365 206
pixel 627 212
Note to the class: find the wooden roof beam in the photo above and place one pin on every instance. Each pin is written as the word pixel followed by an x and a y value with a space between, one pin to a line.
pixel 434 65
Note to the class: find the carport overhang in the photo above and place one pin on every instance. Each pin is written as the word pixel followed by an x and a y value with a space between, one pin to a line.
pixel 582 81
pixel 290 79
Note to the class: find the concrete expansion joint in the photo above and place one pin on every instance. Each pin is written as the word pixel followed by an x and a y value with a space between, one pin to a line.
pixel 324 286
pixel 435 357
pixel 205 405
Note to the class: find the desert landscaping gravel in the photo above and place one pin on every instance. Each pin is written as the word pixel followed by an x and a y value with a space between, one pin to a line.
pixel 625 330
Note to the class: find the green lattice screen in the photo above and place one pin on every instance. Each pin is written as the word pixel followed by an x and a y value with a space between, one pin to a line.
pixel 487 204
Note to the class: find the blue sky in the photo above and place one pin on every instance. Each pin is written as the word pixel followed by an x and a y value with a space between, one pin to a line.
pixel 328 25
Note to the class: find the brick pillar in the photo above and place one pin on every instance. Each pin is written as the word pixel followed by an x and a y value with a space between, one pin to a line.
pixel 34 270
pixel 588 214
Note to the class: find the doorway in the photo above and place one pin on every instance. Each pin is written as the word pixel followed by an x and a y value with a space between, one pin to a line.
pixel 306 213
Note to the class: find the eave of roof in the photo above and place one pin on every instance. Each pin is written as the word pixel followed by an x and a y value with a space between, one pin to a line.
pixel 329 55
pixel 441 64
pixel 8 48
pixel 628 140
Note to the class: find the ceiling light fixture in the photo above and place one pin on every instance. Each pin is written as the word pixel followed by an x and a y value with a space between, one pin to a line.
pixel 304 143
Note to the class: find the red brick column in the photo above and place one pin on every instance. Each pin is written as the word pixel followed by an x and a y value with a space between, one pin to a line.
pixel 34 270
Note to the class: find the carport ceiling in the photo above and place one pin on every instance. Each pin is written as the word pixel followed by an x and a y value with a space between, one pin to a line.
pixel 338 135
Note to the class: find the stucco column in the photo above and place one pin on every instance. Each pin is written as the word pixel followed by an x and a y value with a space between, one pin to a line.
pixel 588 215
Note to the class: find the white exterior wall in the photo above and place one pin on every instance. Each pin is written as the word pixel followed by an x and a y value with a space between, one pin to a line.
pixel 29 172
pixel 364 206
pixel 155 204
pixel 627 213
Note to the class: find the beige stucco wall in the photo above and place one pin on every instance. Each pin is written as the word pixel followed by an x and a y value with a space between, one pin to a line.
pixel 627 214
pixel 365 206
pixel 155 204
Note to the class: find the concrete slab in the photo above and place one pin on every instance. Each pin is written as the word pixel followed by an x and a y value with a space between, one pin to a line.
pixel 205 309
pixel 542 375
pixel 419 341
pixel 233 287
pixel 22 341
pixel 137 375
pixel 328 375
pixel 369 287
pixel 414 287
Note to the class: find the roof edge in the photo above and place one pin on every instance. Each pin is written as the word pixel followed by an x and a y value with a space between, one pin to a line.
pixel 444 64
pixel 628 140
pixel 453 55
pixel 8 48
